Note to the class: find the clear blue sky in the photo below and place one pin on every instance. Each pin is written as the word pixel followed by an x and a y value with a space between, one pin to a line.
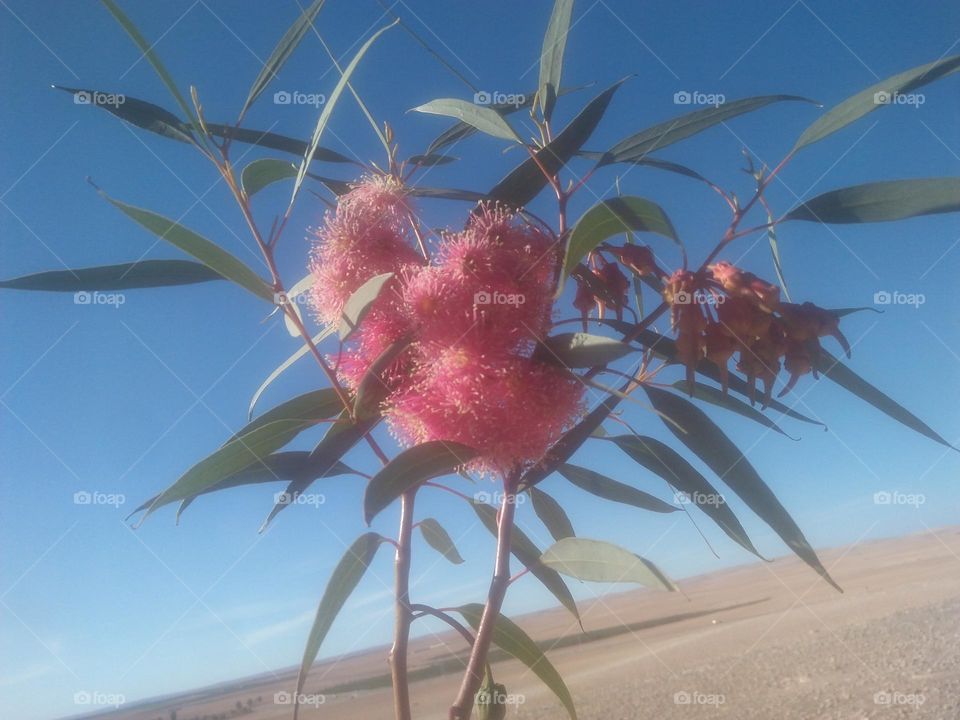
pixel 123 400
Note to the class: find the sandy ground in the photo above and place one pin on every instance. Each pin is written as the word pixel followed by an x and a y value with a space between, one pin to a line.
pixel 762 642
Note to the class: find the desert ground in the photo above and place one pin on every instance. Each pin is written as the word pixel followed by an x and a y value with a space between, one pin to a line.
pixel 764 642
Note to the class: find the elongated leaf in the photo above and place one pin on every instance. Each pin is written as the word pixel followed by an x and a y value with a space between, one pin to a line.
pixel 716 397
pixel 882 201
pixel 615 217
pixel 652 162
pixel 409 469
pixel 301 286
pixel 440 540
pixel 137 112
pixel 373 389
pixel 482 118
pixel 359 303
pixel 273 141
pixel 230 459
pixel 680 128
pixel 551 57
pixel 125 276
pixel 609 489
pixel 846 378
pixel 599 561
pixel 344 579
pixel 263 172
pixel 876 96
pixel 281 53
pixel 431 160
pixel 551 514
pixel 527 552
pixel 211 255
pixel 711 445
pixel 312 406
pixel 146 48
pixel 304 349
pixel 775 254
pixel 329 105
pixel 447 194
pixel 680 474
pixel 526 181
pixel 508 636
pixel 582 350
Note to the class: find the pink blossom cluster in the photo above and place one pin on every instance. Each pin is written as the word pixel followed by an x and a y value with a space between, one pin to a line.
pixel 468 319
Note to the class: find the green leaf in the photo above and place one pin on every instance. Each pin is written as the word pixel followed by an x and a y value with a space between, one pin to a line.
pixel 431 160
pixel 680 474
pixel 126 276
pixel 211 255
pixel 261 138
pixel 582 350
pixel 281 53
pixel 716 397
pixel 508 636
pixel 527 552
pixel 482 118
pixel 329 105
pixel 439 539
pixel 409 469
pixel 301 286
pixel 359 303
pixel 882 201
pixel 846 378
pixel 680 128
pixel 866 101
pixel 343 581
pixel 526 181
pixel 615 217
pixel 609 489
pixel 146 49
pixel 710 444
pixel 304 349
pixel 312 406
pixel 372 389
pixel 447 194
pixel 551 514
pixel 236 455
pixel 551 57
pixel 775 254
pixel 598 561
pixel 263 172
pixel 137 112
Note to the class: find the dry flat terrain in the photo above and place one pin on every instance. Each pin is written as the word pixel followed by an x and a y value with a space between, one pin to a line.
pixel 762 642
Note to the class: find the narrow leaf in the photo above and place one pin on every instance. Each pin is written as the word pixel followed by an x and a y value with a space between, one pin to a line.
pixel 261 138
pixel 482 118
pixel 359 303
pixel 137 112
pixel 409 469
pixel 582 350
pixel 882 201
pixel 263 172
pixel 711 445
pixel 373 389
pixel 312 406
pixel 551 57
pixel 609 489
pixel 598 561
pixel 508 636
pixel 440 540
pixel 714 396
pixel 126 276
pixel 304 349
pixel 551 514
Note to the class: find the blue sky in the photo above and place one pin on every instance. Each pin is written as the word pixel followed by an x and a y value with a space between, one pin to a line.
pixel 121 400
